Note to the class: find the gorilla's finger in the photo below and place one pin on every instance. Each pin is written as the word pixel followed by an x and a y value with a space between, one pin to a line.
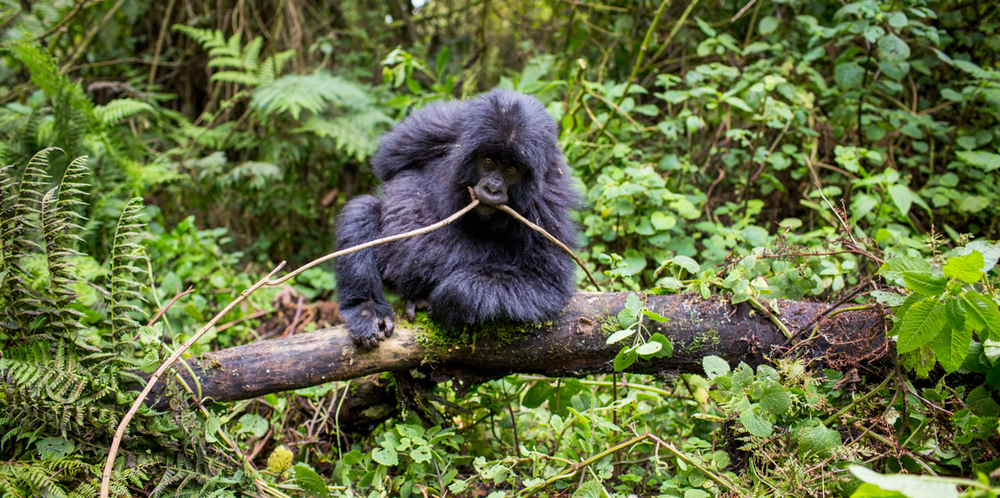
pixel 389 326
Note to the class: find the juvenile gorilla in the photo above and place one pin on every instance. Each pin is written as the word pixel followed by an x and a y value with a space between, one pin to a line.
pixel 485 266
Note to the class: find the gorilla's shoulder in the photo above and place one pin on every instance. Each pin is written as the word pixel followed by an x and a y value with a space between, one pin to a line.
pixel 425 136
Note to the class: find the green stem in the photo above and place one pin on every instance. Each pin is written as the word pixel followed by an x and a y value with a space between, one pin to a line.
pixel 833 418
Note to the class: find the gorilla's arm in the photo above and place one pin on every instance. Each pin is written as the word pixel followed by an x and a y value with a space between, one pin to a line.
pixel 422 138
pixel 359 281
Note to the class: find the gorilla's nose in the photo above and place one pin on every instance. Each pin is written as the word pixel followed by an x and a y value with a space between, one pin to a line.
pixel 492 193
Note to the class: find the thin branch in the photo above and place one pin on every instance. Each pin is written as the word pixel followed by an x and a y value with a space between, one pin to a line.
pixel 391 238
pixel 171 303
pixel 554 240
pixel 120 432
pixel 159 41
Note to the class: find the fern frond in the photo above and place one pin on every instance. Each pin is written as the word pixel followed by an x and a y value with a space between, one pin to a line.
pixel 45 73
pixel 314 92
pixel 124 251
pixel 59 217
pixel 18 227
pixel 119 109
pixel 236 77
pixel 226 62
pixel 355 134
pixel 251 54
pixel 272 66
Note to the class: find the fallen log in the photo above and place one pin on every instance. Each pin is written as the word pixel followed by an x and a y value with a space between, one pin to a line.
pixel 572 345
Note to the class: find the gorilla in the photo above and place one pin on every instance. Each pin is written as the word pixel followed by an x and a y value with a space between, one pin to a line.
pixel 486 266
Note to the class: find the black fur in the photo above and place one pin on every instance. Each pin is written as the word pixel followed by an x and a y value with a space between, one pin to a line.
pixel 485 266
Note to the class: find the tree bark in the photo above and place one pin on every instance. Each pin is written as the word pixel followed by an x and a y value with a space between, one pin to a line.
pixel 572 345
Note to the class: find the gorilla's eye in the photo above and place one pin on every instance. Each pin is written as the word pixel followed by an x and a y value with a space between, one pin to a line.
pixel 488 161
pixel 511 169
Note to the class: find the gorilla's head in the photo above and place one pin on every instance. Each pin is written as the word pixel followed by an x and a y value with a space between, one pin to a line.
pixel 507 151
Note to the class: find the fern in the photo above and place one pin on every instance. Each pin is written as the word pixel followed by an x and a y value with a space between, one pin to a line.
pixel 124 287
pixel 18 224
pixel 119 109
pixel 242 62
pixel 59 217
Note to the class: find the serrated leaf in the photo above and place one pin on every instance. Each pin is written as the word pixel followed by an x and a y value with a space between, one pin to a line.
pixel 818 440
pixel 922 323
pixel 687 263
pixel 951 346
pixel 925 283
pixel 590 489
pixel 280 459
pixel 893 268
pixel 714 366
pixel 965 269
pixel 755 424
pixel 775 399
pixel 656 317
pixel 981 314
pixel 310 481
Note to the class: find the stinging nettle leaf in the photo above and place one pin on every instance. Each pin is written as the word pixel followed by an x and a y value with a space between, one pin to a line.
pixel 922 323
pixel 966 269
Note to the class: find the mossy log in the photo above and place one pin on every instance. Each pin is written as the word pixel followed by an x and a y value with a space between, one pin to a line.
pixel 572 345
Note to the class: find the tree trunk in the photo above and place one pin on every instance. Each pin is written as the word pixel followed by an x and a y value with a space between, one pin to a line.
pixel 572 345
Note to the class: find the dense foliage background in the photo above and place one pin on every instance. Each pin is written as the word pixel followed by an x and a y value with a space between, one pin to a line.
pixel 763 149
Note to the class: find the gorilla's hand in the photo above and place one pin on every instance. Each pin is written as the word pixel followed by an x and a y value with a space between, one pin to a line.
pixel 369 323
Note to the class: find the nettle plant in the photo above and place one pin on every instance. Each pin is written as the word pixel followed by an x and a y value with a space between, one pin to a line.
pixel 947 305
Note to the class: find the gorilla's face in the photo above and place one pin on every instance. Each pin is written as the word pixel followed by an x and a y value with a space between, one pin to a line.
pixel 496 176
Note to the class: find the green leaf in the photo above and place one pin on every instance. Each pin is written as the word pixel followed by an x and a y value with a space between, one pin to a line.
pixel 981 402
pixel 385 455
pixel 667 350
pixel 252 424
pixel 981 314
pixel 51 448
pixel 590 489
pixel 624 359
pixel 775 399
pixel 951 346
pixel 537 394
pixel 768 24
pixel 848 76
pixel 894 268
pixel 662 221
pixel 656 317
pixel 620 335
pixel 714 367
pixel 310 481
pixel 755 424
pixel 649 348
pixel 442 60
pixel 911 486
pixel 925 283
pixel 903 197
pixel 893 49
pixel 898 20
pixel 922 323
pixel 985 160
pixel 965 269
pixel 687 263
pixel 818 440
